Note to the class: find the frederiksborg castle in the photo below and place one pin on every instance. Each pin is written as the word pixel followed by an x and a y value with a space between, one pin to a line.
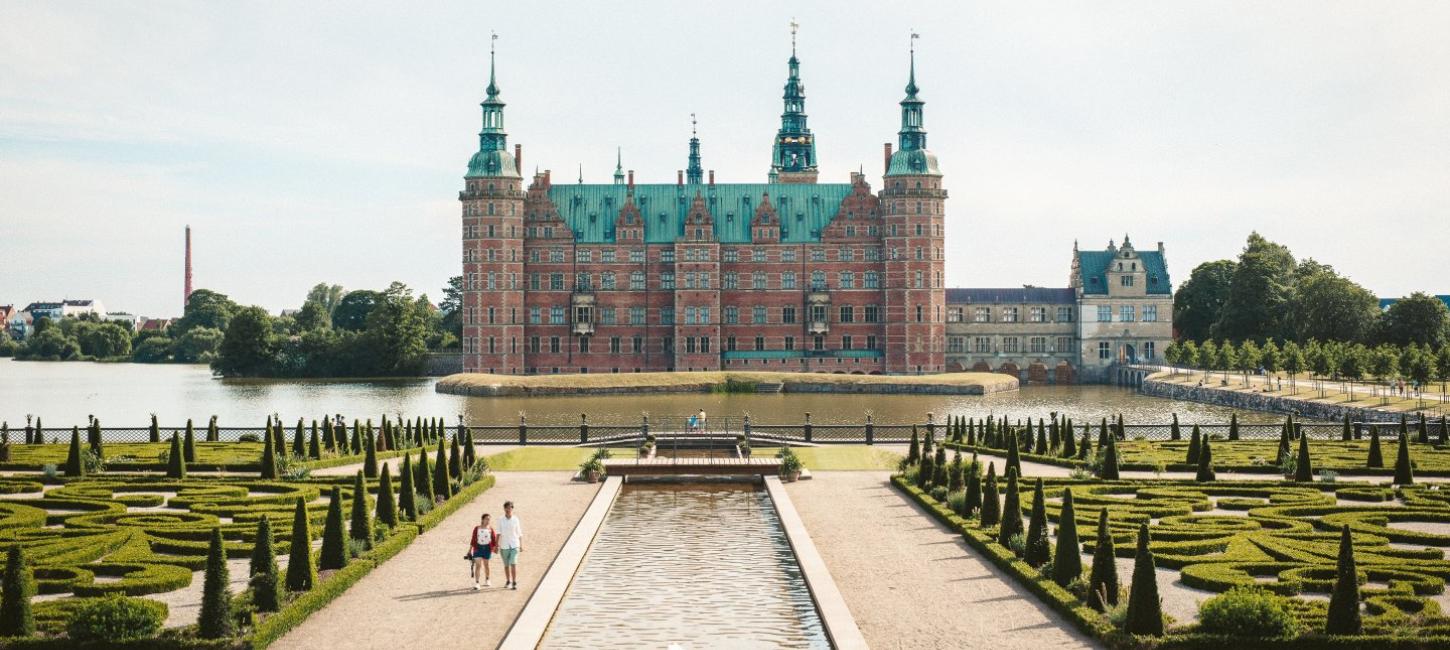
pixel 788 274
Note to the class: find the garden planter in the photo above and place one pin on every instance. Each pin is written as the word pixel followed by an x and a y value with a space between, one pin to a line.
pixel 790 477
pixel 593 476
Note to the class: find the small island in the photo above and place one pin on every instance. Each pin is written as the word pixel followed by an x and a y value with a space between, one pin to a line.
pixel 490 385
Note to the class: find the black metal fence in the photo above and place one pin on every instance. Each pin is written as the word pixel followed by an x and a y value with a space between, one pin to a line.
pixel 805 431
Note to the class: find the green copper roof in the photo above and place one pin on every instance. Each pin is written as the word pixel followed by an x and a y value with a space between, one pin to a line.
pixel 916 162
pixel 1094 266
pixel 804 209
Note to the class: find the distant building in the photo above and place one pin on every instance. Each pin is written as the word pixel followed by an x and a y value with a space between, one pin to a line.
pixel 131 320
pixel 1118 309
pixel 1386 302
pixel 155 324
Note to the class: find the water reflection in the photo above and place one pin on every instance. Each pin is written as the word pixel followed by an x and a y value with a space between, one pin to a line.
pixel 126 394
pixel 693 566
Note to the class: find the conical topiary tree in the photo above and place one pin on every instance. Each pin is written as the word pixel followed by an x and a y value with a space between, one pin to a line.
pixel 1233 426
pixel 1085 448
pixel 356 444
pixel 913 450
pixel 1195 440
pixel 1103 579
pixel 1205 462
pixel 991 506
pixel 1173 431
pixel 1145 610
pixel 1067 562
pixel 314 445
pixel 301 576
pixel 175 460
pixel 1039 549
pixel 188 442
pixel 153 432
pixel 925 471
pixel 299 440
pixel 16 617
pixel 1014 457
pixel 370 460
pixel 361 526
pixel 387 507
pixel 1404 471
pixel 1344 602
pixel 1069 443
pixel 407 501
pixel 94 435
pixel 215 620
pixel 1346 434
pixel 269 460
pixel 972 500
pixel 423 476
pixel 455 459
pixel 266 584
pixel 328 441
pixel 1109 470
pixel 1304 468
pixel 334 540
pixel 74 465
pixel 279 439
pixel 1011 511
pixel 441 486
pixel 212 433
pixel 1376 458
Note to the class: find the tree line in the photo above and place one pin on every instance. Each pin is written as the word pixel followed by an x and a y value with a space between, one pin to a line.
pixel 1267 294
pixel 1328 359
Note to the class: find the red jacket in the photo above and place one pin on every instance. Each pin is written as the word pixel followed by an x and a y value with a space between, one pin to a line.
pixel 473 539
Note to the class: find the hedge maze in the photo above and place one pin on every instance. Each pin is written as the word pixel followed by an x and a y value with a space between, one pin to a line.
pixel 1275 544
pixel 87 539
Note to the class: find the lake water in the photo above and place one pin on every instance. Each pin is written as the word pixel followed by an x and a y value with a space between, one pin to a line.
pixel 689 566
pixel 124 394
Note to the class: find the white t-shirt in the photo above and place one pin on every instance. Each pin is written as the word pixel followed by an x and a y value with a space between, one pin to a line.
pixel 484 536
pixel 510 532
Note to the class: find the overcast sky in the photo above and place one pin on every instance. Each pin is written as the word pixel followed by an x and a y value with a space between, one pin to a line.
pixel 311 142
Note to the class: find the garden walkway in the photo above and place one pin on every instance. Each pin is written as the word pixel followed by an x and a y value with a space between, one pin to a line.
pixel 912 583
pixel 424 594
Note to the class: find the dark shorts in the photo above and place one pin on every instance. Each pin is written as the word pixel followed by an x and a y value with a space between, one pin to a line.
pixel 483 552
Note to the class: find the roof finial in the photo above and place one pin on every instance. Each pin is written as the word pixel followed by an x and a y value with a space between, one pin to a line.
pixel 493 41
pixel 693 132
pixel 793 27
pixel 581 173
pixel 911 81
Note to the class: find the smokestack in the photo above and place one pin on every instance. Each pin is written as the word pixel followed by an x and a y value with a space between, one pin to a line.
pixel 631 179
pixel 712 177
pixel 519 158
pixel 186 290
pixel 886 162
pixel 679 177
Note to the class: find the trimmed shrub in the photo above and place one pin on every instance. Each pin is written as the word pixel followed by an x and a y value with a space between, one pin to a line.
pixel 1303 471
pixel 314 445
pixel 299 440
pixel 153 432
pixel 370 460
pixel 423 477
pixel 972 500
pixel 991 506
pixel 16 617
pixel 1205 462
pixel 455 459
pixel 1404 472
pixel 176 460
pixel 1069 444
pixel 116 619
pixel 266 587
pixel 1173 431
pixel 1344 601
pixel 188 442
pixel 1233 426
pixel 212 433
pixel 334 540
pixel 1346 434
pixel 441 486
pixel 269 460
pixel 1014 457
pixel 1067 563
pixel 1145 610
pixel 925 471
pixel 300 574
pixel 1011 511
pixel 1109 469
pixel 407 503
pixel 74 464
pixel 1103 580
pixel 215 620
pixel 387 507
pixel 1194 441
pixel 361 526
pixel 1376 458
pixel 1251 612
pixel 1039 550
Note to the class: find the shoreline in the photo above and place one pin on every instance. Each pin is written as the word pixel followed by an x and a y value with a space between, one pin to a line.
pixel 487 385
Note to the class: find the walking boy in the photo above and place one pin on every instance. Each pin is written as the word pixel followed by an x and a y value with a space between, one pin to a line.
pixel 510 544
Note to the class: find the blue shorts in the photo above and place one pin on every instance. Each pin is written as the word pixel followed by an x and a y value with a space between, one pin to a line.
pixel 483 552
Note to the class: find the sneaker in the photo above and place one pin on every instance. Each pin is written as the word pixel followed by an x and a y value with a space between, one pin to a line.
pixel 515 586
pixel 486 582
pixel 475 586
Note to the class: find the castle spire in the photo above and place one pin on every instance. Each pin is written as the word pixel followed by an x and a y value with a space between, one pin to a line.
pixel 694 174
pixel 493 158
pixel 912 157
pixel 794 153
pixel 618 166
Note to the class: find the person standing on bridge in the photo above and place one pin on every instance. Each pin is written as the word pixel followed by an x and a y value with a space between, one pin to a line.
pixel 510 544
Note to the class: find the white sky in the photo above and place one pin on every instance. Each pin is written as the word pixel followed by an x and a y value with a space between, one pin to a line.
pixel 309 142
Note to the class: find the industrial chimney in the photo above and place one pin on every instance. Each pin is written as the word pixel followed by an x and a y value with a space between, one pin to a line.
pixel 186 295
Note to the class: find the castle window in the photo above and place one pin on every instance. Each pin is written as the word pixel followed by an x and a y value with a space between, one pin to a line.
pixel 556 281
pixel 732 316
pixel 1105 314
pixel 873 280
pixel 1150 315
pixel 954 314
pixel 1064 314
pixel 1038 344
pixel 847 280
pixel 787 280
pixel 667 256
pixel 848 314
pixel 758 280
pixel 982 315
pixel 667 280
pixel 787 255
pixel 636 317
pixel 787 315
pixel 606 281
pixel 583 256
pixel 1037 315
pixel 731 255
pixel 1104 350
pixel 818 280
pixel 1009 314
pixel 636 257
pixel 818 255
pixel 1125 313
pixel 556 315
pixel 790 342
pixel 636 281
pixel 607 256
pixel 1009 344
pixel 983 344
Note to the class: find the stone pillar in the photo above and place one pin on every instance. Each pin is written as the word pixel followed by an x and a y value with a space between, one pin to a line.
pixel 870 431
pixel 583 428
pixel 523 430
pixel 808 427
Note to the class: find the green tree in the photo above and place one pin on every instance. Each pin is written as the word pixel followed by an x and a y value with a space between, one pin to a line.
pixel 264 579
pixel 269 456
pixel 1067 561
pixel 361 527
pixel 300 573
pixel 407 499
pixel 991 506
pixel 1353 359
pixel 188 443
pixel 154 349
pixel 1418 364
pixel 74 466
pixel 1304 469
pixel 215 620
pixel 351 313
pixel 1384 362
pixel 1329 307
pixel 1292 361
pixel 176 459
pixel 198 345
pixel 205 308
pixel 1011 512
pixel 1195 443
pixel 313 316
pixel 16 617
pixel 387 506
pixel 1344 601
pixel 441 486
pixel 1103 578
pixel 397 332
pixel 451 306
pixel 334 543
pixel 1416 318
pixel 328 296
pixel 1376 457
pixel 1145 610
pixel 50 344
pixel 1442 367
pixel 1109 451
pixel 1039 550
pixel 1199 301
pixel 248 349
pixel 1226 359
pixel 370 457
pixel 104 340
pixel 1207 356
pixel 1259 295
pixel 1271 357
pixel 1173 354
pixel 1205 462
pixel 1404 471
pixel 1247 359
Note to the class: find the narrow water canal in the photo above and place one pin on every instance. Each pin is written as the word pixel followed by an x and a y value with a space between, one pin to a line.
pixel 689 566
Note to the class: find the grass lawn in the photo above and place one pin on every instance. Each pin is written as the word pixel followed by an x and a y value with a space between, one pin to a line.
pixel 846 457
pixel 1324 454
pixel 540 459
pixel 122 454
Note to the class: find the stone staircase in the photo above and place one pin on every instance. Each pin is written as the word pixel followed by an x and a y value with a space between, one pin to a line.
pixel 768 387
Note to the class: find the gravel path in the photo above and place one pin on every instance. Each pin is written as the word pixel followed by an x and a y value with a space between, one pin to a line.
pixel 920 585
pixel 424 594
